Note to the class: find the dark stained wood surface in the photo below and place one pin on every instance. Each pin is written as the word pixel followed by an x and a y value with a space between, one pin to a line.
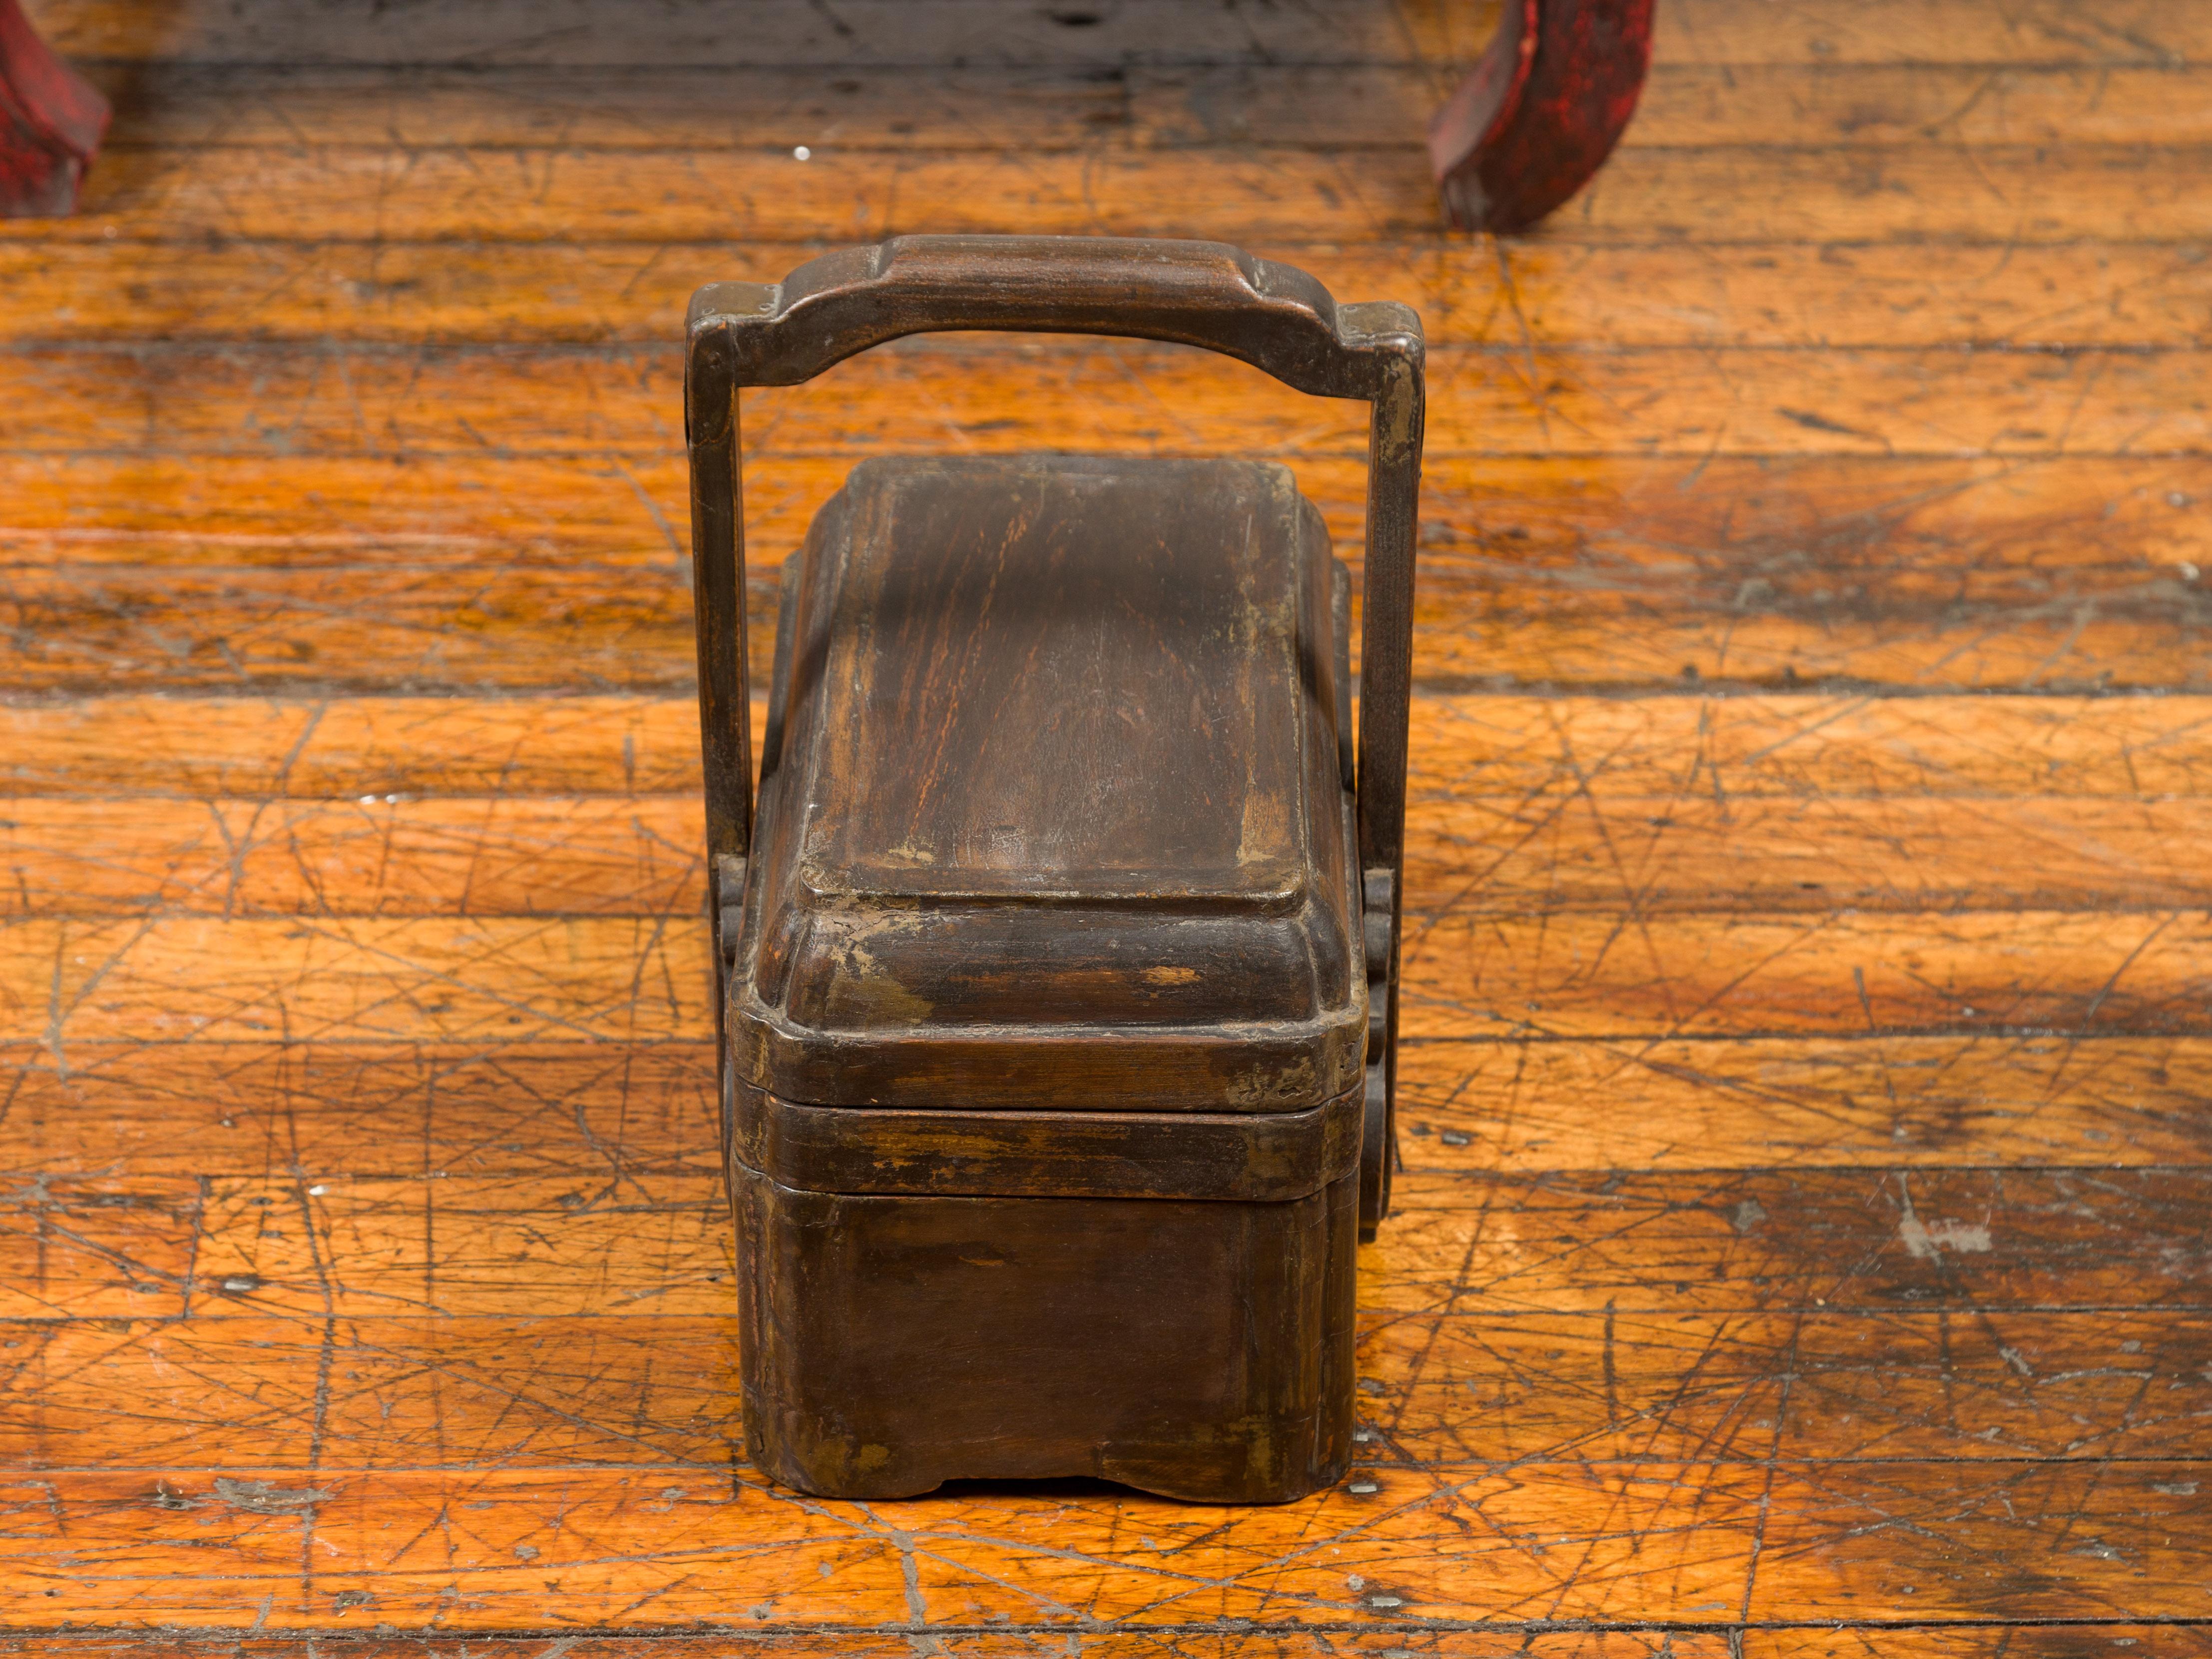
pixel 1104 687
pixel 1804 1222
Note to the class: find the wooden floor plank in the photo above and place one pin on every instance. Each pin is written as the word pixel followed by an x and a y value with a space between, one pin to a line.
pixel 1960 1642
pixel 1571 849
pixel 388 1392
pixel 274 1111
pixel 269 1111
pixel 1878 1386
pixel 620 1243
pixel 1001 1642
pixel 2020 193
pixel 625 979
pixel 595 33
pixel 2011 527
pixel 623 402
pixel 1535 292
pixel 1625 621
pixel 580 31
pixel 1838 972
pixel 1807 747
pixel 1684 103
pixel 1304 107
pixel 1977 1640
pixel 1498 748
pixel 509 195
pixel 1709 1242
pixel 96 1248
pixel 1906 32
pixel 853 107
pixel 2064 573
pixel 574 744
pixel 474 1392
pixel 490 856
pixel 645 979
pixel 1702 1544
pixel 1894 1103
pixel 1750 1239
pixel 1584 848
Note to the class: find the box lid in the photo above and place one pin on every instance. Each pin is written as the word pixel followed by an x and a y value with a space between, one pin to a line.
pixel 1053 812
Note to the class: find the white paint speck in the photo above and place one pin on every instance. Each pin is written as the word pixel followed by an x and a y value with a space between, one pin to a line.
pixel 1925 1240
pixel 800 153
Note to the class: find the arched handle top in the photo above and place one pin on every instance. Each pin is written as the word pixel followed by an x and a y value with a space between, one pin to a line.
pixel 1272 316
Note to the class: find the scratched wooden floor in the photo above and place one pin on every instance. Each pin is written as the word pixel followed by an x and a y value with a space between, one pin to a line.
pixel 1805 1240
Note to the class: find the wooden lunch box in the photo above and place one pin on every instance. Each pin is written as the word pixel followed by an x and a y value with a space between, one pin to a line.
pixel 1059 952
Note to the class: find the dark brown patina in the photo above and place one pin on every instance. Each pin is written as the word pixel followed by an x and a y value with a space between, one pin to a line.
pixel 1059 949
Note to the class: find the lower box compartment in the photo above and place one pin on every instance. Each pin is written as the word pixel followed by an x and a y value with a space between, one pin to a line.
pixel 1199 1349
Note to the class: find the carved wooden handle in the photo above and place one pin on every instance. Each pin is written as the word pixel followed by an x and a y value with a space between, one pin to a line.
pixel 1202 294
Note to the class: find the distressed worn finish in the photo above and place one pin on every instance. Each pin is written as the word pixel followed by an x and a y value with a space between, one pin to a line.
pixel 1053 807
pixel 1803 1247
pixel 1059 814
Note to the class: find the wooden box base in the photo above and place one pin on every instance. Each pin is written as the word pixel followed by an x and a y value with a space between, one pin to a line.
pixel 1198 1350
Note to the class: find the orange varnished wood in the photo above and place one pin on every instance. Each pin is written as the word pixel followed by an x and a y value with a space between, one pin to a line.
pixel 1104 1643
pixel 2046 32
pixel 1744 1241
pixel 503 195
pixel 1488 745
pixel 1316 106
pixel 1801 1239
pixel 555 1391
pixel 546 1107
pixel 1571 847
pixel 1830 1641
pixel 2054 574
pixel 1422 1541
pixel 1577 974
pixel 1114 395
pixel 1758 295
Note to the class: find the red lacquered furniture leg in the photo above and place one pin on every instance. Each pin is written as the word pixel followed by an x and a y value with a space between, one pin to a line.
pixel 1540 111
pixel 51 122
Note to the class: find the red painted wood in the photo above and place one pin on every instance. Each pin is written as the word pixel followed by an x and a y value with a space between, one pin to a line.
pixel 1542 110
pixel 51 122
